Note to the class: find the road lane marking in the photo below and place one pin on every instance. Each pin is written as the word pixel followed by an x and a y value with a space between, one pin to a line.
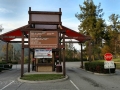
pixel 74 85
pixel 7 85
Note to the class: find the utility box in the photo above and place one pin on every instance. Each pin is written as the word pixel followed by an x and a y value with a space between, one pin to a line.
pixel 58 68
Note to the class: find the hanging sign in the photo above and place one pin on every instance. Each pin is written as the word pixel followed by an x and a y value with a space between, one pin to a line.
pixel 43 39
pixel 43 53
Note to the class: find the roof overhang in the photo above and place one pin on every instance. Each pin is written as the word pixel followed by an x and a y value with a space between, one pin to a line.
pixel 17 33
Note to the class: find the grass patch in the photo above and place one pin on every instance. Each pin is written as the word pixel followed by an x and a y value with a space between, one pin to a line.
pixel 117 65
pixel 116 60
pixel 42 77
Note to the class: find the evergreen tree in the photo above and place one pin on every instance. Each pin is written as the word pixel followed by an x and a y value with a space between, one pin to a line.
pixel 112 33
pixel 92 24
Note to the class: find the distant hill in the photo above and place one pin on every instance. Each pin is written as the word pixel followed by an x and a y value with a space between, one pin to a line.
pixel 17 47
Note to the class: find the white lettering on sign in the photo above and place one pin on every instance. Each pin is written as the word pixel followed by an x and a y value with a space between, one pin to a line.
pixel 109 64
pixel 108 57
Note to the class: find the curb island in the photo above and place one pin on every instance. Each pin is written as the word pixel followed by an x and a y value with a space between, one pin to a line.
pixel 56 80
pixel 98 73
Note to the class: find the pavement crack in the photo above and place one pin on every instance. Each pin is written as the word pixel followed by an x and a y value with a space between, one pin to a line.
pixel 95 84
pixel 19 86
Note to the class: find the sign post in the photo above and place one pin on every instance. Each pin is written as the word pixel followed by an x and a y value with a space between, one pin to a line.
pixel 108 64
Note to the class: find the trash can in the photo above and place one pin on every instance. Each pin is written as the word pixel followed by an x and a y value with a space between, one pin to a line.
pixel 58 68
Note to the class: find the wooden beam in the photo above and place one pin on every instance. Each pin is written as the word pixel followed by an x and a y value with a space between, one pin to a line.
pixel 60 26
pixel 17 41
pixel 33 29
pixel 25 46
pixel 44 12
pixel 75 37
pixel 55 50
pixel 25 34
pixel 44 23
pixel 11 37
pixel 71 42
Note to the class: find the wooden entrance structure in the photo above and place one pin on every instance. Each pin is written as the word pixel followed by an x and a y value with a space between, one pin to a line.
pixel 43 22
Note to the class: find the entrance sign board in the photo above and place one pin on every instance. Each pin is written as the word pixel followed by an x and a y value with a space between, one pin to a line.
pixel 43 53
pixel 43 39
pixel 109 64
pixel 108 56
pixel 45 18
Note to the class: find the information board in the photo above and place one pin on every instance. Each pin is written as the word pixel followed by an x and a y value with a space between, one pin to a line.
pixel 43 39
pixel 109 64
pixel 43 53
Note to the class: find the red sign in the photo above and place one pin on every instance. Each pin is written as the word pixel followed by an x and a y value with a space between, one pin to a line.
pixel 108 56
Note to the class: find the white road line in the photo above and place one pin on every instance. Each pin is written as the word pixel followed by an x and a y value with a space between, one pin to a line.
pixel 74 85
pixel 7 85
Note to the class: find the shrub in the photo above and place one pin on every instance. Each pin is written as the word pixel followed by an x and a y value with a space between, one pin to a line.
pixel 14 62
pixel 0 69
pixel 5 65
pixel 98 67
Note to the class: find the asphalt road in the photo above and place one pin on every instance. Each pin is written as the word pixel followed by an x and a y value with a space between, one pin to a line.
pixel 78 80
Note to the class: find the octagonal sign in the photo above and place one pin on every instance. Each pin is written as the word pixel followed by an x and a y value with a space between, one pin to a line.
pixel 108 56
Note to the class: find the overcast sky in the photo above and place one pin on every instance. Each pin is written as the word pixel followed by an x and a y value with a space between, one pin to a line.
pixel 14 13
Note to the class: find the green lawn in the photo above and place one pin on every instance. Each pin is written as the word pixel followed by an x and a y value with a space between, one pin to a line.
pixel 42 77
pixel 116 60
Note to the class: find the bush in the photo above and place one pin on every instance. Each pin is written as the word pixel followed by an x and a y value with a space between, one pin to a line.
pixel 98 67
pixel 14 62
pixel 5 66
pixel 71 59
pixel 0 69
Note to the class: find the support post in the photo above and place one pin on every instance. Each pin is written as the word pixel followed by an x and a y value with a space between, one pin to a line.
pixel 53 61
pixel 60 49
pixel 29 53
pixel 81 57
pixel 60 38
pixel 29 60
pixel 7 52
pixel 89 50
pixel 64 70
pixel 33 63
pixel 22 56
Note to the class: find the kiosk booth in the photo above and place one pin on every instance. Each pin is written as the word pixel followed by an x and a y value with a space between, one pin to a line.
pixel 46 41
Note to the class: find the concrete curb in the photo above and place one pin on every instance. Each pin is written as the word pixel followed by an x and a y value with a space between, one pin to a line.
pixel 99 73
pixel 57 80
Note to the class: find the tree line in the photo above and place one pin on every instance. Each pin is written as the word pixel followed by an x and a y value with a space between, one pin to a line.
pixel 105 36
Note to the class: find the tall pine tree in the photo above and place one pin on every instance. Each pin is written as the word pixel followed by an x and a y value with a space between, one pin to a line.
pixel 91 23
